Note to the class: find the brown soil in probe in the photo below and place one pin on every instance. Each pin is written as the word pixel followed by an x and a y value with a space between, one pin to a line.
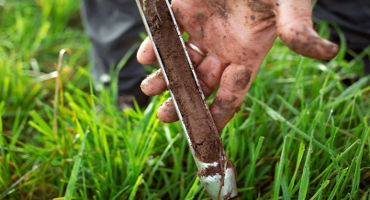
pixel 199 123
pixel 213 170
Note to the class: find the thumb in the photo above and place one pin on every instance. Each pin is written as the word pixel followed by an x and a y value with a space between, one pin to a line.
pixel 295 29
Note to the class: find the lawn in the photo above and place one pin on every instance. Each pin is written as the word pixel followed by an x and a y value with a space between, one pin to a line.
pixel 301 133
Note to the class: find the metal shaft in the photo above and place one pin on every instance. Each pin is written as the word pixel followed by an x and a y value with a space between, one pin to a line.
pixel 217 176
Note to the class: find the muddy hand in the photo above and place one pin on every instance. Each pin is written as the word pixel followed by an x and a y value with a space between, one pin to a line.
pixel 235 36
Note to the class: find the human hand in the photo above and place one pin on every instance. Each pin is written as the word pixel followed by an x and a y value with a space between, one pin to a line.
pixel 234 38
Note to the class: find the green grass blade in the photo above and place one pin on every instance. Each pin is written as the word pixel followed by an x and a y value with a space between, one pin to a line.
pixel 322 187
pixel 75 170
pixel 193 190
pixel 299 159
pixel 285 189
pixel 136 186
pixel 303 189
pixel 337 184
pixel 356 179
pixel 162 157
pixel 277 117
pixel 279 174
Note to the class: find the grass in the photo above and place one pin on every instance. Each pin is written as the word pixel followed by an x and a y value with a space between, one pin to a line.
pixel 300 133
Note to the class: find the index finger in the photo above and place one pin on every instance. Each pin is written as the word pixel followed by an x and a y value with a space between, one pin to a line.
pixel 145 54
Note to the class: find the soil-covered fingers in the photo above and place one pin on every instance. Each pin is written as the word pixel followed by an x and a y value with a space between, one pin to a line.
pixel 145 54
pixel 167 112
pixel 209 73
pixel 235 82
pixel 196 51
pixel 195 57
pixel 154 84
pixel 295 29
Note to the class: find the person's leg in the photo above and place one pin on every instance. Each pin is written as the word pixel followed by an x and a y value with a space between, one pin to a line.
pixel 353 19
pixel 113 27
pixel 367 65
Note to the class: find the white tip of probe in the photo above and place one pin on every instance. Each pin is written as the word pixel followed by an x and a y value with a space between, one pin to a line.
pixel 213 185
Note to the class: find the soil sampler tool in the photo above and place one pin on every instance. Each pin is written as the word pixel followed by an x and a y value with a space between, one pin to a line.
pixel 215 171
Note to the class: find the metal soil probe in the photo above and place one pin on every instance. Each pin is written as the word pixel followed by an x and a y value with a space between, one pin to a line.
pixel 216 173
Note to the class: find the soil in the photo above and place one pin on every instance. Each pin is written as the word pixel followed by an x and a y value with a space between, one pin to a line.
pixel 199 123
pixel 259 5
pixel 213 170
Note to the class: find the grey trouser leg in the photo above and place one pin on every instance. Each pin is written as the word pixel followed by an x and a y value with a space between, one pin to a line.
pixel 113 27
pixel 353 17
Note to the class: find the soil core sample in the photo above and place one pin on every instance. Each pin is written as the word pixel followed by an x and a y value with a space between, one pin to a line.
pixel 215 171
pixel 199 123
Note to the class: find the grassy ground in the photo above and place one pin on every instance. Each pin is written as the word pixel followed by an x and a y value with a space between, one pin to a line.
pixel 300 134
